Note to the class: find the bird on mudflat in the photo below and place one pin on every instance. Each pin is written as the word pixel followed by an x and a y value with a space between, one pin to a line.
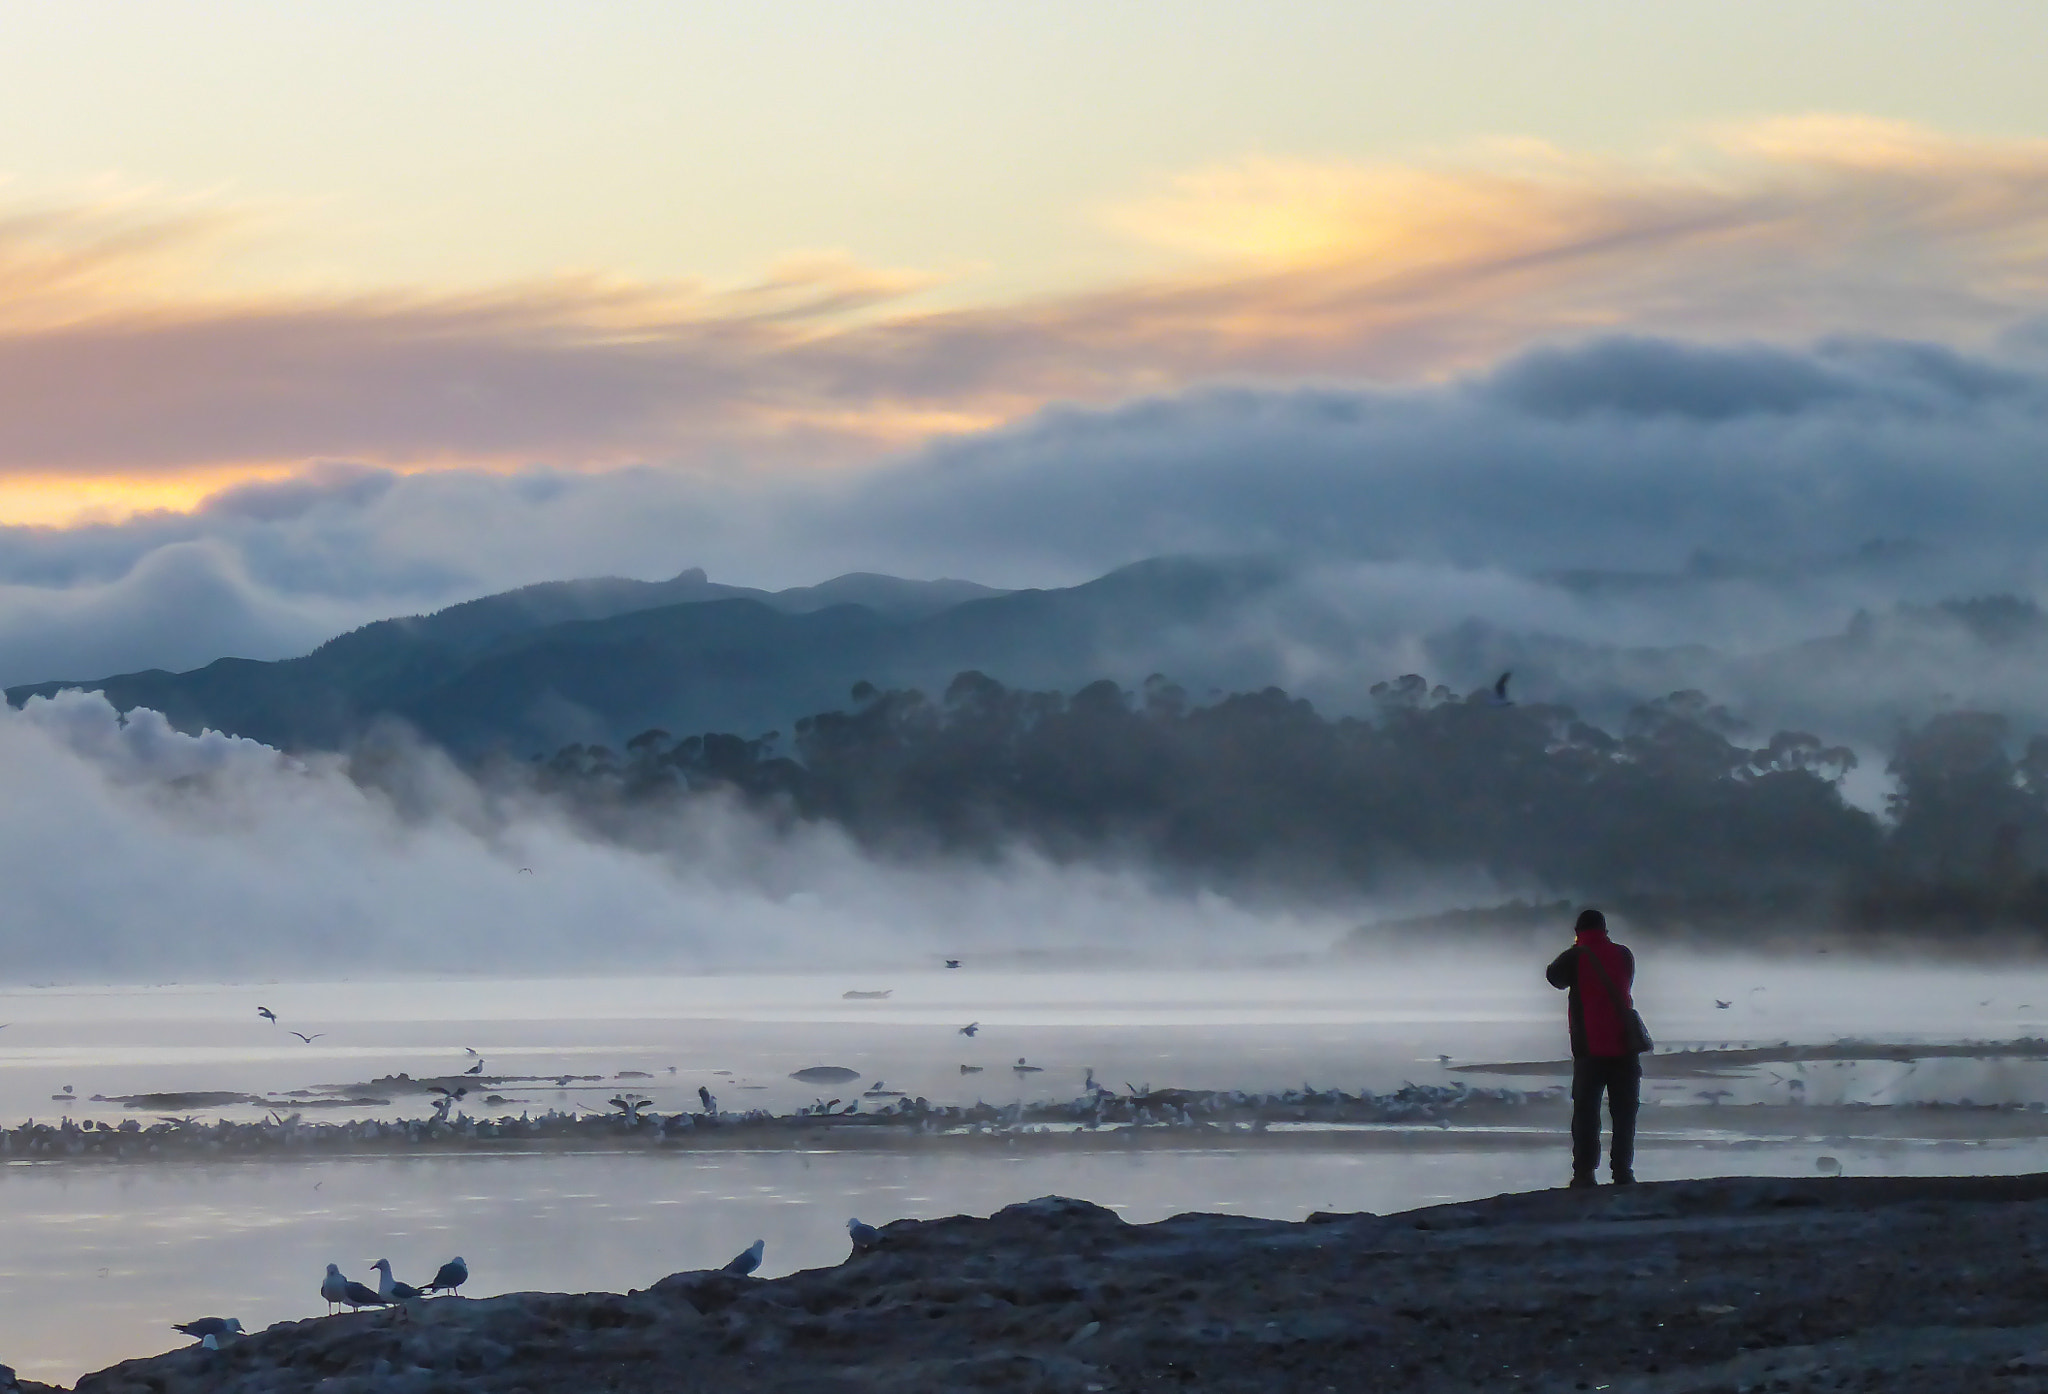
pixel 747 1261
pixel 863 1236
pixel 209 1326
pixel 267 1014
pixel 451 1275
pixel 389 1288
pixel 970 1028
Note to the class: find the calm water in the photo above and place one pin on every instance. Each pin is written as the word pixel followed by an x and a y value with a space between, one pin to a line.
pixel 96 1260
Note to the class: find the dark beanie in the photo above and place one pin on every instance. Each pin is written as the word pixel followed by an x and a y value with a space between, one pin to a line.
pixel 1590 922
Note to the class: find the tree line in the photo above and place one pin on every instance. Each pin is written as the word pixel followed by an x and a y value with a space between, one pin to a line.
pixel 1679 815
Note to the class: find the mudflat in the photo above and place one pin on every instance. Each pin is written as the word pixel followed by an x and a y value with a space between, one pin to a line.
pixel 1923 1284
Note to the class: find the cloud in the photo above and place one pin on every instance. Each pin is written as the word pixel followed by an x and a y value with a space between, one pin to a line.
pixel 115 368
pixel 133 852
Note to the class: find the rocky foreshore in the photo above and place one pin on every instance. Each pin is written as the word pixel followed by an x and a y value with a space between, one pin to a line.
pixel 1929 1285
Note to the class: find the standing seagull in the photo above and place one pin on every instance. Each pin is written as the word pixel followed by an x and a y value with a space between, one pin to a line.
pixel 452 1275
pixel 1500 690
pixel 744 1263
pixel 389 1288
pixel 864 1237
pixel 267 1014
pixel 334 1287
pixel 357 1297
pixel 209 1326
pixel 476 1069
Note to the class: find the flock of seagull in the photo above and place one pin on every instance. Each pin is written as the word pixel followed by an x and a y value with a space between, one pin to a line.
pixel 340 1290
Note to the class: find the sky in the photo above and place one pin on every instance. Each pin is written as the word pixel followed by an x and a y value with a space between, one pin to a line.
pixel 241 241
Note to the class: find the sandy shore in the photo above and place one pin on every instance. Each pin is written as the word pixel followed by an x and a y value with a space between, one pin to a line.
pixel 1929 1285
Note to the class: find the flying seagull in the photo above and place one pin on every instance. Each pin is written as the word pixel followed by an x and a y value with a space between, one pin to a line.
pixel 267 1014
pixel 952 963
pixel 452 1275
pixel 744 1263
pixel 309 1039
pixel 970 1028
pixel 389 1288
pixel 704 1097
pixel 471 1052
pixel 864 1236
pixel 1500 690
pixel 209 1326
pixel 1724 1006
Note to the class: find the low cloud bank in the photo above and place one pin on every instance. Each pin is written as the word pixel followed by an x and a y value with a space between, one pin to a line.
pixel 1573 508
pixel 133 852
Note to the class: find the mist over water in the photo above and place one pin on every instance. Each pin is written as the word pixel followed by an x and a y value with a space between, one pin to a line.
pixel 135 852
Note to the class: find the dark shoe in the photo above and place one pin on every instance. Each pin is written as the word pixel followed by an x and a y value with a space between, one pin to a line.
pixel 1624 1178
pixel 1582 1178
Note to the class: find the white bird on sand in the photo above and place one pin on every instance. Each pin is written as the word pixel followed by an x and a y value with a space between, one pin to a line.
pixel 209 1326
pixel 744 1263
pixel 452 1275
pixel 863 1236
pixel 389 1288
pixel 334 1287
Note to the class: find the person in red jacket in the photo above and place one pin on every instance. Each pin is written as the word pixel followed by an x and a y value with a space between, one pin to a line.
pixel 1601 1059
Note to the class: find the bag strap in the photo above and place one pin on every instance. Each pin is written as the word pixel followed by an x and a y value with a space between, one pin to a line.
pixel 1606 979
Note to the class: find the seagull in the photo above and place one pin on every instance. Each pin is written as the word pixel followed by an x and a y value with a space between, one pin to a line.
pixel 472 1053
pixel 209 1326
pixel 952 963
pixel 452 1275
pixel 476 1069
pixel 1500 690
pixel 970 1028
pixel 358 1297
pixel 1724 1006
pixel 334 1287
pixel 309 1039
pixel 267 1014
pixel 389 1288
pixel 704 1097
pixel 526 871
pixel 744 1263
pixel 863 1236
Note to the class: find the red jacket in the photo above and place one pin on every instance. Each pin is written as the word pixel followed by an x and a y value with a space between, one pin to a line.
pixel 1596 1018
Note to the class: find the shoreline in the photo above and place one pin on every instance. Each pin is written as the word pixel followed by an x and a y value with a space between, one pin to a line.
pixel 1480 1120
pixel 1928 1284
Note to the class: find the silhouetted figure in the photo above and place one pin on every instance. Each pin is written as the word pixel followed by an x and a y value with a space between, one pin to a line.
pixel 1599 974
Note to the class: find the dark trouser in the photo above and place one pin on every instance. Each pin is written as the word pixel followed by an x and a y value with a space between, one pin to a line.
pixel 1621 1078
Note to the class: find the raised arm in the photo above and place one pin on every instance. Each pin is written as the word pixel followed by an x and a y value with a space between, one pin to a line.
pixel 1564 969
